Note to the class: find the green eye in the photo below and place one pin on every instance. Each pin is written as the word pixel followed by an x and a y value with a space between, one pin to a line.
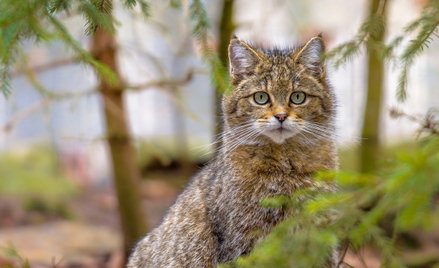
pixel 298 97
pixel 261 98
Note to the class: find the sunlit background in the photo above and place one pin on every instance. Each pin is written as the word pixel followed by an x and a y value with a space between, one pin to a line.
pixel 55 167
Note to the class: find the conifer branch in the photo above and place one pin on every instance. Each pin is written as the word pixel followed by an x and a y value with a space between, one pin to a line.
pixel 427 25
pixel 371 27
pixel 200 30
pixel 97 13
pixel 9 48
pixel 144 6
pixel 82 55
pixel 57 6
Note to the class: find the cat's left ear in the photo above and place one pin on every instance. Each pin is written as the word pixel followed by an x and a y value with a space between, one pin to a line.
pixel 309 56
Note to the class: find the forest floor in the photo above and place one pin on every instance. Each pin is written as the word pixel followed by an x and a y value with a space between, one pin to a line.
pixel 83 231
pixel 90 236
pixel 87 236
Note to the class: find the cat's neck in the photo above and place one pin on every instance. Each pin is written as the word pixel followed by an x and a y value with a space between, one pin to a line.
pixel 289 158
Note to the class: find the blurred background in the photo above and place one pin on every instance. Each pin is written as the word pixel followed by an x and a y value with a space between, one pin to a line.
pixel 58 203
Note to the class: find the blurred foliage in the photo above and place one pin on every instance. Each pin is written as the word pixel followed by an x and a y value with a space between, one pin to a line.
pixel 349 156
pixel 148 152
pixel 51 208
pixel 37 20
pixel 423 28
pixel 200 30
pixel 11 253
pixel 33 172
pixel 40 21
pixel 162 151
pixel 404 192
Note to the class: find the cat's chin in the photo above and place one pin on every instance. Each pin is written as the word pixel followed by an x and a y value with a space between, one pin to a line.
pixel 280 135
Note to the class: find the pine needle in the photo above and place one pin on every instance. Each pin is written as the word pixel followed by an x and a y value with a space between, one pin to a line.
pixel 200 30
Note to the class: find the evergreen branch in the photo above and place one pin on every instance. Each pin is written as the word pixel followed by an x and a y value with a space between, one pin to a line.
pixel 200 27
pixel 374 26
pixel 343 53
pixel 57 6
pixel 82 55
pixel 401 90
pixel 366 37
pixel 129 4
pixel 415 48
pixel 20 22
pixel 427 25
pixel 144 8
pixel 14 11
pixel 429 12
pixel 175 4
pixel 97 14
pixel 9 42
pixel 387 52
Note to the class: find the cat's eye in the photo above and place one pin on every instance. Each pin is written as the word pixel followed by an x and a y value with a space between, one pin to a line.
pixel 261 98
pixel 298 97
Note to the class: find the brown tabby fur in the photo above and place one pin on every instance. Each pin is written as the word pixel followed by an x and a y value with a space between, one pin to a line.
pixel 216 218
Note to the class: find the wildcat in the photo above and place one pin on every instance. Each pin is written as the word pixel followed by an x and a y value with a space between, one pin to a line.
pixel 277 132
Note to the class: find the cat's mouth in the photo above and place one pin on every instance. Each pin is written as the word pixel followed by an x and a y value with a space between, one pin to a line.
pixel 280 130
pixel 280 134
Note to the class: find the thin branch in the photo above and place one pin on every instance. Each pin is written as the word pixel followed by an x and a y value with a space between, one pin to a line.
pixel 344 246
pixel 39 68
pixel 24 114
pixel 176 82
pixel 16 119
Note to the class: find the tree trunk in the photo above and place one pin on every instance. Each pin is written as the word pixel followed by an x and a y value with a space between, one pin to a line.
pixel 126 172
pixel 226 29
pixel 370 144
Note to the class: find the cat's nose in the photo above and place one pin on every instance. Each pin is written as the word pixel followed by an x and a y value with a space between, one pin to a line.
pixel 281 117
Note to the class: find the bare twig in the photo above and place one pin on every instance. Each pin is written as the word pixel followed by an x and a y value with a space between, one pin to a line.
pixel 24 114
pixel 428 123
pixel 344 247
pixel 172 83
pixel 43 67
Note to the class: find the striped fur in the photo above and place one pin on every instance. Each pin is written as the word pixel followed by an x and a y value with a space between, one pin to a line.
pixel 218 216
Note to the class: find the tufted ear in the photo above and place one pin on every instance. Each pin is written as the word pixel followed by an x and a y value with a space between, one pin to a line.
pixel 309 56
pixel 242 59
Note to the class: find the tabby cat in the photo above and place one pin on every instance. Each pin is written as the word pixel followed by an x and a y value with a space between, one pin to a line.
pixel 278 131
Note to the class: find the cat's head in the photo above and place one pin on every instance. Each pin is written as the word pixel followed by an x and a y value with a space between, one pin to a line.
pixel 278 93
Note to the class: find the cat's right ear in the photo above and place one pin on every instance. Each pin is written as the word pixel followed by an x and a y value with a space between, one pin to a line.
pixel 242 59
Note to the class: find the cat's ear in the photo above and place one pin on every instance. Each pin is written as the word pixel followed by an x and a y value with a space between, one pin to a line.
pixel 309 56
pixel 242 59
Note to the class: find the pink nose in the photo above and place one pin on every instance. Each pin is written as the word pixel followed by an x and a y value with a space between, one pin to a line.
pixel 281 117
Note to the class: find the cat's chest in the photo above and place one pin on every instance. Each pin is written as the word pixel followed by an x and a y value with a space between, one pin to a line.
pixel 263 184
